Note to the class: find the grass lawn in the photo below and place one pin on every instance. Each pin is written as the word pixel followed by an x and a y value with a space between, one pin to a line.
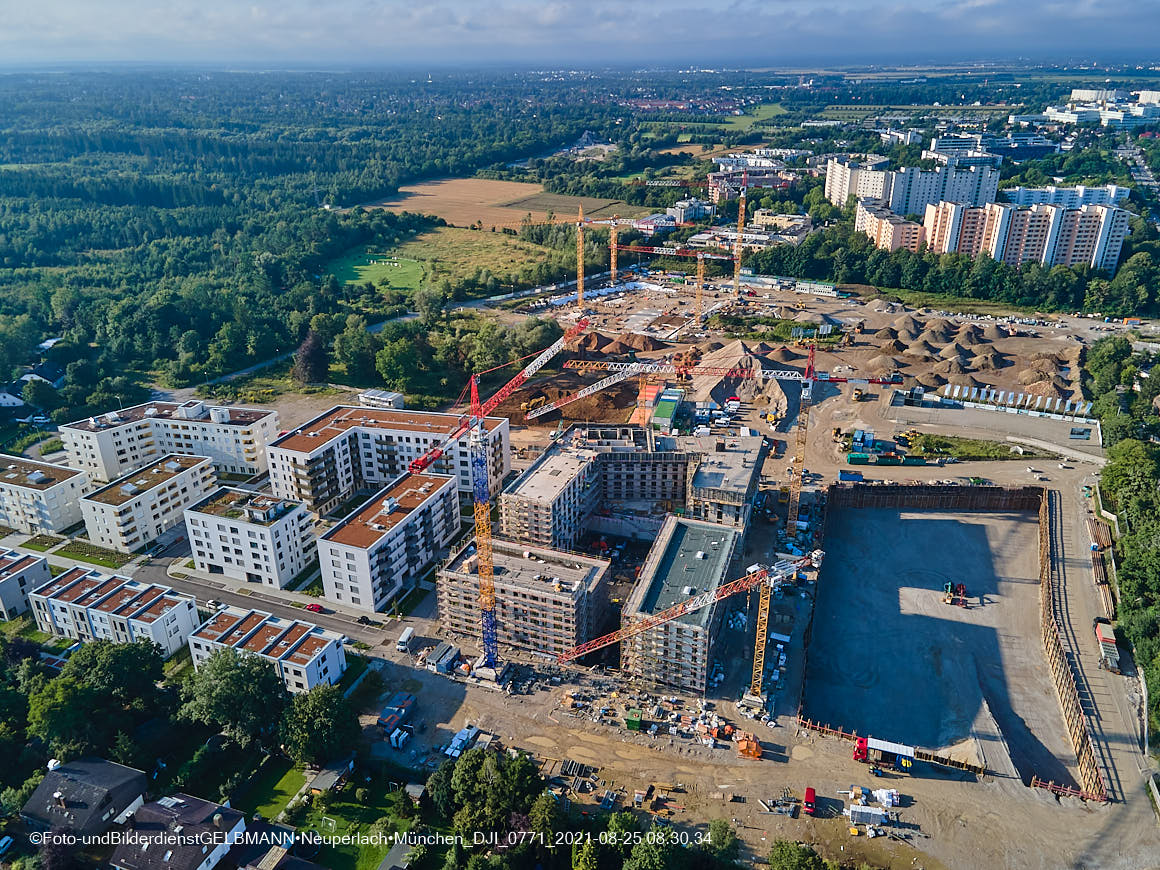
pixel 763 112
pixel 24 627
pixel 179 666
pixel 42 543
pixel 454 253
pixel 355 665
pixel 94 555
pixel 271 789
pixel 965 449
pixel 262 386
pixel 364 264
pixel 353 818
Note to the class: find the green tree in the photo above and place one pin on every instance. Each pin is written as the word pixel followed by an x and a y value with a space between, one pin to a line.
pixel 319 725
pixel 652 853
pixel 723 843
pixel 397 362
pixel 126 674
pixel 584 856
pixel 545 818
pixel 787 855
pixel 441 791
pixel 429 304
pixel 239 693
pixel 61 712
pixel 311 362
pixel 40 394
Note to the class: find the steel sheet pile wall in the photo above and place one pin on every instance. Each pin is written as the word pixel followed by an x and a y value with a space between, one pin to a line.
pixel 1091 778
pixel 936 498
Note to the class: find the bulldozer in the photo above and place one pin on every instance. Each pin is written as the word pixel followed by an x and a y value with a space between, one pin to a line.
pixel 533 403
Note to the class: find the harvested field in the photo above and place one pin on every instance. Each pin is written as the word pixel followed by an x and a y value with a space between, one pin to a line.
pixel 888 658
pixel 464 201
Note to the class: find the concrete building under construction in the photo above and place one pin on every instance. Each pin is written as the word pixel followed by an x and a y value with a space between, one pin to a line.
pixel 546 601
pixel 624 480
pixel 689 557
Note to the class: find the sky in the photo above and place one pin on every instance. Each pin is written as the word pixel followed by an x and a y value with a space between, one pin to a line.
pixel 576 33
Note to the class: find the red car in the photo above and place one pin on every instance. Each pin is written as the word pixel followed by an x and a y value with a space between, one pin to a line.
pixel 314 608
pixel 808 805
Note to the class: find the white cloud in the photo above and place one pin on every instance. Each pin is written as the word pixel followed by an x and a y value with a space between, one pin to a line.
pixel 574 32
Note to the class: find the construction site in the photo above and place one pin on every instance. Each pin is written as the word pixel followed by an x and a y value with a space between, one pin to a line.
pixel 689 583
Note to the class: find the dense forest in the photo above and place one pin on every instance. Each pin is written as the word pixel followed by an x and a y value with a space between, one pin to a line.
pixel 176 226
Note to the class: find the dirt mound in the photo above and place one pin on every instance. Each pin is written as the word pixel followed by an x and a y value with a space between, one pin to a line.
pixel 954 351
pixel 762 348
pixel 1031 376
pixel 883 363
pixel 815 317
pixel 907 323
pixel 1045 364
pixel 895 346
pixel 612 405
pixel 936 336
pixel 930 380
pixel 1060 383
pixel 993 332
pixel 988 361
pixel 636 341
pixel 618 348
pixel 1047 389
pixel 763 393
pixel 710 346
pixel 591 341
pixel 885 307
pixel 887 332
pixel 971 330
pixel 783 355
pixel 922 350
pixel 964 381
pixel 950 367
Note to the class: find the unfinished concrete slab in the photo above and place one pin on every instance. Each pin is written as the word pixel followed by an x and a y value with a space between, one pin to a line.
pixel 888 658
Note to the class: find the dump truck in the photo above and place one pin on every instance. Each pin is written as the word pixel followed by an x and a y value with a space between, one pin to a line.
pixel 1106 638
pixel 859 393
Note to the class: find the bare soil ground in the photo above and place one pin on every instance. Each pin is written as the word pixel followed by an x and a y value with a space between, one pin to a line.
pixel 463 201
pixel 890 659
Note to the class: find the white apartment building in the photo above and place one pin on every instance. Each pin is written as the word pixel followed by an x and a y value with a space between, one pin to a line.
pixel 380 551
pixel 862 179
pixel 136 509
pixel 1051 235
pixel 87 605
pixel 301 653
pixel 19 575
pixel 251 537
pixel 1068 197
pixel 330 458
pixel 109 445
pixel 38 497
pixel 910 190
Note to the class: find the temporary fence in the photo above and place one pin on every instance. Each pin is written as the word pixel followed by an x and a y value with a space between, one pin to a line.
pixel 935 497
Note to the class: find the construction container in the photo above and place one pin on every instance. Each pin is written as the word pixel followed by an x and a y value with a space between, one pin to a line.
pixel 850 476
pixel 632 720
pixel 913 460
pixel 889 459
pixel 858 458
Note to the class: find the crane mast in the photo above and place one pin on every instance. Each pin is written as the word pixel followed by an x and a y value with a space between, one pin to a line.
pixel 580 260
pixel 776 574
pixel 738 247
pixel 482 504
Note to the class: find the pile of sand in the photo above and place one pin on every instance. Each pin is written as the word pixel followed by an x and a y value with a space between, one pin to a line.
pixel 883 363
pixel 1031 376
pixel 1045 364
pixel 950 367
pixel 783 355
pixel 971 330
pixel 710 346
pixel 930 380
pixel 922 350
pixel 763 393
pixel 894 346
pixel 908 327
pixel 618 348
pixel 964 381
pixel 885 307
pixel 936 336
pixel 988 360
pixel 954 351
pixel 887 332
pixel 1048 389
pixel 637 341
pixel 993 332
pixel 591 341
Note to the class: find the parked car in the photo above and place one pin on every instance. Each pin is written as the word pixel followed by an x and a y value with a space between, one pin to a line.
pixel 314 608
pixel 808 802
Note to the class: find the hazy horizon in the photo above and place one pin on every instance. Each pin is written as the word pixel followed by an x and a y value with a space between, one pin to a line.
pixel 518 33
